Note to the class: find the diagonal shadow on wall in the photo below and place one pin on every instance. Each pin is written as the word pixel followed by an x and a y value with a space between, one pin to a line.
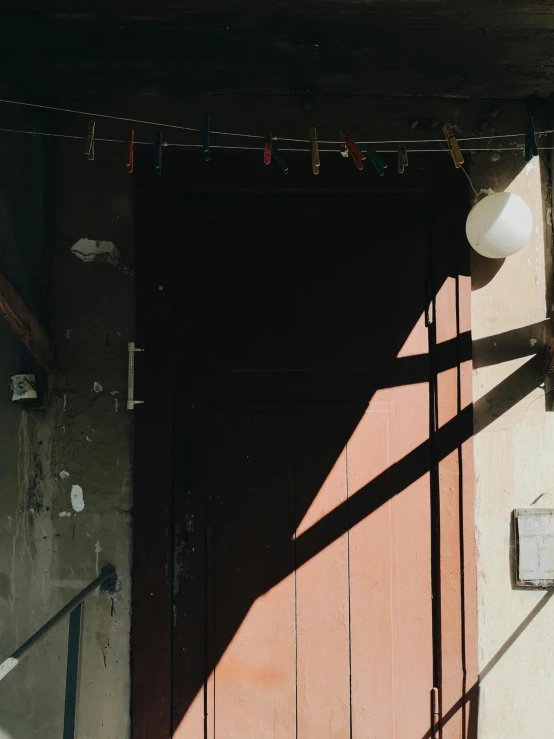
pixel 251 567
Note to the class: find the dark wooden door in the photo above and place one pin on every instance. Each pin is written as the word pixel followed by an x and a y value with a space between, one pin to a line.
pixel 303 515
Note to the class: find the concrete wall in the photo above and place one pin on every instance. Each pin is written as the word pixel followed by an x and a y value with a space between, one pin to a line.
pixel 514 449
pixel 49 550
pixel 46 555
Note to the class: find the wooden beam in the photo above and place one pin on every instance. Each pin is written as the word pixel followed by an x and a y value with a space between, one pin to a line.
pixel 24 323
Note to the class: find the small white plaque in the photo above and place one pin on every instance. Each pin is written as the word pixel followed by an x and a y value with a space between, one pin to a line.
pixel 534 531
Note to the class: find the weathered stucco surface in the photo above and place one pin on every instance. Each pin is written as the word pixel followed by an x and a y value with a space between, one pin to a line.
pixel 48 549
pixel 85 433
pixel 513 462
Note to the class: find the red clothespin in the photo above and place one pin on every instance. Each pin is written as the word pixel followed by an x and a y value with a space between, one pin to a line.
pixel 89 141
pixel 267 148
pixel 356 154
pixel 130 162
pixel 402 158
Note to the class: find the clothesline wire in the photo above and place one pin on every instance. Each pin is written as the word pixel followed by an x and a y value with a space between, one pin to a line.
pixel 168 144
pixel 248 135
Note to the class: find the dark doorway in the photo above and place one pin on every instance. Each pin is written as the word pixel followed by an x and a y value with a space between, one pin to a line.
pixel 292 425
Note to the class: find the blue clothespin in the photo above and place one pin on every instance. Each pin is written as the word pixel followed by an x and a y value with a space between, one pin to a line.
pixel 206 125
pixel 531 149
pixel 375 158
pixel 276 154
pixel 158 146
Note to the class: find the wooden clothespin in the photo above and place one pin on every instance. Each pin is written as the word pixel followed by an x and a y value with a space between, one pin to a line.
pixel 206 125
pixel 276 154
pixel 315 151
pixel 376 159
pixel 158 147
pixel 455 152
pixel 531 149
pixel 267 148
pixel 356 154
pixel 130 161
pixel 402 158
pixel 89 141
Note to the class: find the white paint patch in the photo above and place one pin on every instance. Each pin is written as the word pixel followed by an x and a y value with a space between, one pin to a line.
pixel 532 342
pixel 65 514
pixel 97 550
pixel 7 666
pixel 116 403
pixel 88 439
pixel 97 387
pixel 77 499
pixel 64 474
pixel 88 250
pixel 68 333
pixel 114 392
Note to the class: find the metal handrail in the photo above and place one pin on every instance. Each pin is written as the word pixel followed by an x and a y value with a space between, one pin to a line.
pixel 74 609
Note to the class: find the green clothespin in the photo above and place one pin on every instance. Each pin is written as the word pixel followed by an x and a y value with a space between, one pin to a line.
pixel 375 159
pixel 278 157
pixel 531 149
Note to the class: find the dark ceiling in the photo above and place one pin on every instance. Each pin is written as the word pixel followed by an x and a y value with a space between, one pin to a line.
pixel 62 50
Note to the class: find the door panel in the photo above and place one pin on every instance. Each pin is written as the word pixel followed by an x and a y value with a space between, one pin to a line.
pixel 322 584
pixel 302 499
pixel 307 637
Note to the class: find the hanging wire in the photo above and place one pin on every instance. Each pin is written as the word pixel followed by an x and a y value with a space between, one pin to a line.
pixel 168 144
pixel 252 136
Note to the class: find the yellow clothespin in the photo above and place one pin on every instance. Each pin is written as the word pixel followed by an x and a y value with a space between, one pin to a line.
pixel 457 156
pixel 315 151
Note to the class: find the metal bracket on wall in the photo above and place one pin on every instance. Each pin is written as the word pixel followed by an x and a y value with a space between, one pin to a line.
pixel 131 402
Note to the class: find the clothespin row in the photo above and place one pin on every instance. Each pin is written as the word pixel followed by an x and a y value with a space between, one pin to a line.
pixel 271 151
pixel 89 141
pixel 455 153
pixel 402 158
pixel 531 148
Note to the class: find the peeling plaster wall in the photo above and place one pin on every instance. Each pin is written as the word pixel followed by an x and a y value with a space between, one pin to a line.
pixel 514 449
pixel 65 471
pixel 49 550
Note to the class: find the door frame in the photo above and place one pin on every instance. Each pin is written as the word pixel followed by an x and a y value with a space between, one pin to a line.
pixel 451 451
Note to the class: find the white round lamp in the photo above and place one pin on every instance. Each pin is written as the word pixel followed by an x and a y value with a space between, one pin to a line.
pixel 499 225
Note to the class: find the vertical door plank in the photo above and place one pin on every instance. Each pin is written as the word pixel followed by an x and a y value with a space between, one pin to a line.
pixel 390 572
pixel 190 666
pixel 412 618
pixel 451 678
pixel 455 479
pixel 370 579
pixel 152 486
pixel 254 620
pixel 322 598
